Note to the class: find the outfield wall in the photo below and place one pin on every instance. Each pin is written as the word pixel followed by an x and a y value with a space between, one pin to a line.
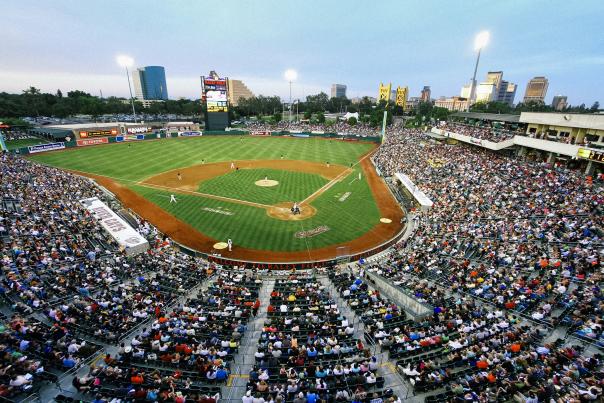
pixel 158 135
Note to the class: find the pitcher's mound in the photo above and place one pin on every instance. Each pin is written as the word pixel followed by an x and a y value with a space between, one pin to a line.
pixel 282 211
pixel 266 183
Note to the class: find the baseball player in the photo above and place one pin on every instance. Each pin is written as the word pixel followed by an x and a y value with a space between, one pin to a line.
pixel 230 243
pixel 172 199
pixel 232 165
pixel 327 164
pixel 179 176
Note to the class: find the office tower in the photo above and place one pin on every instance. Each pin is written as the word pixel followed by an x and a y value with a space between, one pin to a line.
pixel 150 83
pixel 338 91
pixel 536 89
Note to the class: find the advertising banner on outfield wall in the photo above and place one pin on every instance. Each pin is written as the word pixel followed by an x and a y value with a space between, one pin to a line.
pixel 126 236
pixel 92 142
pixel 192 133
pixel 46 147
pixel 130 137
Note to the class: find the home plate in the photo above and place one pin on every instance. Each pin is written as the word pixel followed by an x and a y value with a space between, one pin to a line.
pixel 385 220
pixel 220 245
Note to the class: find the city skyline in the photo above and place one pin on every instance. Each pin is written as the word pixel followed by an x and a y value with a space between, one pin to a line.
pixel 187 40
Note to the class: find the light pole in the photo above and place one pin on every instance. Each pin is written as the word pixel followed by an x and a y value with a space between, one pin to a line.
pixel 127 61
pixel 290 75
pixel 480 42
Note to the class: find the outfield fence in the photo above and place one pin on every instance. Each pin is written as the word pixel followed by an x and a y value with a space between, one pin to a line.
pixel 59 145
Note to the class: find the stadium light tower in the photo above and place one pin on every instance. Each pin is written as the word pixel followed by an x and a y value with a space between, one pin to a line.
pixel 127 61
pixel 290 75
pixel 481 40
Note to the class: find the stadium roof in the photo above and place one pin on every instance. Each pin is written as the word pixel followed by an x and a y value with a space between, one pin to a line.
pixel 488 116
pixel 54 132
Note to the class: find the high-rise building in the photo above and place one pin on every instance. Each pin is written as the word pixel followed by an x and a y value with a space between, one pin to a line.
pixel 493 89
pixel 486 92
pixel 150 83
pixel 426 94
pixel 536 89
pixel 338 91
pixel 238 90
pixel 465 91
pixel 559 102
pixel 507 92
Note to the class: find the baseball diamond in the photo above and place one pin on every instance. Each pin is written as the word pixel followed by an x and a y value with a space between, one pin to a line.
pixel 220 187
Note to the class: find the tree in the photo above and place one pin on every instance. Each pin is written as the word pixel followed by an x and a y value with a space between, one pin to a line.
pixel 32 101
pixel 59 94
pixel 307 115
pixel 491 107
pixel 440 113
pixel 277 117
pixel 424 109
pixel 595 107
pixel 321 117
pixel 317 103
pixel 533 106
pixel 352 121
pixel 78 94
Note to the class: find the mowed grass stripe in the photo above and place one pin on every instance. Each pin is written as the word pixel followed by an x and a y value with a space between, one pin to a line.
pixel 249 226
pixel 138 160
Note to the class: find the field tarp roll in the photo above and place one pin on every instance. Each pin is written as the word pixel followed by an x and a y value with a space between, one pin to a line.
pixel 126 236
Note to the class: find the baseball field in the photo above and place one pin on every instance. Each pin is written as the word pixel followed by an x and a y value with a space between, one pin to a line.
pixel 243 188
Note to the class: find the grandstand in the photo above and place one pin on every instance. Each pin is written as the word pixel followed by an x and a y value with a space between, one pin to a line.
pixel 493 294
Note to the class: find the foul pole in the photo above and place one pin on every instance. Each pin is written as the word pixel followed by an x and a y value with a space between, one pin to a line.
pixel 384 127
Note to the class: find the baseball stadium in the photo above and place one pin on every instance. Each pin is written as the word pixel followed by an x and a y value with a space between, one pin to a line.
pixel 169 235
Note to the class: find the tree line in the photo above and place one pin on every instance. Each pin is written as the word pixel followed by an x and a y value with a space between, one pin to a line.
pixel 531 106
pixel 32 102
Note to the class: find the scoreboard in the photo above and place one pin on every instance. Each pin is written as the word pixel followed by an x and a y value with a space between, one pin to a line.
pixel 214 93
pixel 592 155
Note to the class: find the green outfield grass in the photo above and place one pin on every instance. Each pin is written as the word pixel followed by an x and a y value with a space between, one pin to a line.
pixel 14 144
pixel 293 186
pixel 137 160
pixel 251 227
pixel 347 208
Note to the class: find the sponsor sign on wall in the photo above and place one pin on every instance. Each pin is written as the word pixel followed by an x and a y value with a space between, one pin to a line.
pixel 130 137
pixel 46 147
pixel 190 133
pixel 92 142
pixel 138 130
pixel 98 133
pixel 260 133
pixel 120 230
